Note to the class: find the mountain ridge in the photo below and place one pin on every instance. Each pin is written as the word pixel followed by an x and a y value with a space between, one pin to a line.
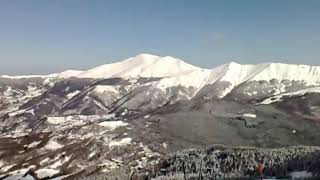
pixel 145 60
pixel 225 79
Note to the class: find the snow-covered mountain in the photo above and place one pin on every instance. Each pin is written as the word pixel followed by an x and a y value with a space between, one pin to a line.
pixel 148 82
pixel 153 81
pixel 143 65
pixel 142 102
pixel 173 72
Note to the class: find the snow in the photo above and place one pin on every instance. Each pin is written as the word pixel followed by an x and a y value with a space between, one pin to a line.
pixel 44 161
pixel 122 142
pixel 60 162
pixel 92 154
pixel 146 116
pixel 60 177
pixel 69 73
pixel 72 94
pixel 271 100
pixel 31 111
pixel 53 145
pixel 34 144
pixel 106 88
pixel 56 120
pixel 279 97
pixel 143 65
pixel 113 124
pixel 294 131
pixel 25 76
pixel 165 145
pixel 226 91
pixel 176 72
pixel 146 155
pixel 14 113
pixel 42 173
pixel 147 65
pixel 76 120
pixel 19 174
pixel 19 177
pixel 195 78
pixel 251 115
pixel 237 73
pixel 32 167
pixel 6 168
pixel 64 74
pixel 8 91
pixel 89 135
pixel 108 165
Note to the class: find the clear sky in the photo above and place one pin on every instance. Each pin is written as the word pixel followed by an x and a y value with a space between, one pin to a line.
pixel 45 36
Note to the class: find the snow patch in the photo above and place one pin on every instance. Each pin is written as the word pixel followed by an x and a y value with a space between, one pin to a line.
pixel 122 142
pixel 44 161
pixel 6 168
pixel 111 125
pixel 66 122
pixel 72 94
pixel 93 153
pixel 105 88
pixel 34 144
pixel 146 116
pixel 279 97
pixel 56 120
pixel 43 173
pixel 60 162
pixel 53 145
pixel 251 115
pixel 165 145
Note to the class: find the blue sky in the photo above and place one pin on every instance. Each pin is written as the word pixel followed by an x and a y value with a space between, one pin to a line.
pixel 45 36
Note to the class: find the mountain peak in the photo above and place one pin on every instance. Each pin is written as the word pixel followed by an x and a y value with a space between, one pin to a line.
pixel 232 63
pixel 142 58
pixel 146 56
pixel 150 58
pixel 142 65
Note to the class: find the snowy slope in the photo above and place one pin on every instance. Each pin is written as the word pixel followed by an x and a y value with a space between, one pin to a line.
pixel 175 72
pixel 69 73
pixel 143 65
pixel 237 73
pixel 279 97
pixel 64 74
pixel 147 65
